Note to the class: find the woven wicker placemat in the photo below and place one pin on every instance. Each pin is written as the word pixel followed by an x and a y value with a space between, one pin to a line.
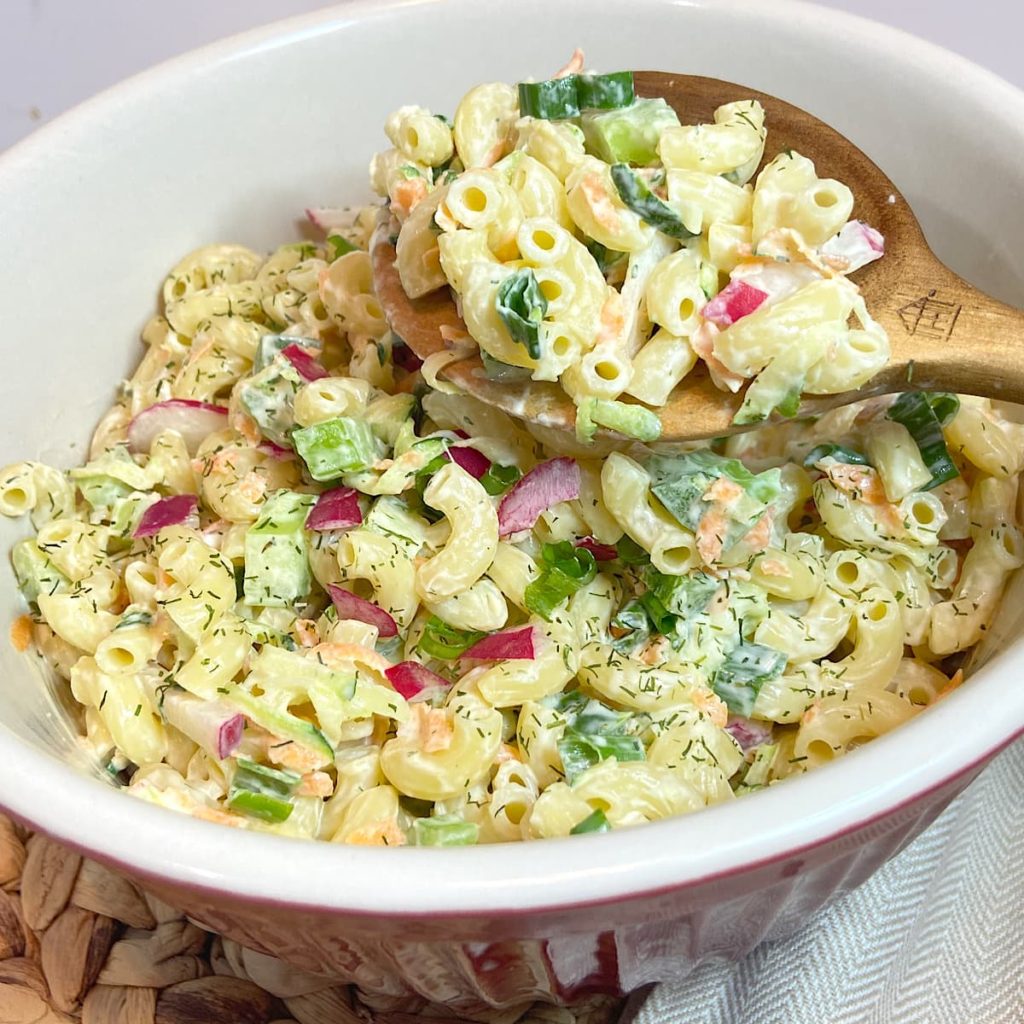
pixel 80 943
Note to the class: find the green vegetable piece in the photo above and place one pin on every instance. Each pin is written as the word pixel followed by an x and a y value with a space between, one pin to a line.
pixel 498 479
pixel 757 775
pixel 663 621
pixel 746 669
pixel 944 405
pixel 790 404
pixel 586 427
pixel 268 397
pixel 566 569
pixel 389 415
pixel 277 553
pixel 834 451
pixel 630 134
pixel 444 830
pixel 914 410
pixel 580 751
pixel 630 553
pixel 605 258
pixel 605 92
pixel 627 419
pixel 102 491
pixel 521 305
pixel 340 246
pixel 636 194
pixel 685 596
pixel 553 100
pixel 262 792
pixel 335 447
pixel 35 572
pixel 630 629
pixel 271 344
pixel 680 482
pixel 596 822
pixel 439 640
pixel 281 723
pixel 506 373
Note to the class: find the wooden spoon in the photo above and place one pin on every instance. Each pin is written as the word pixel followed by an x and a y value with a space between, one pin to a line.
pixel 945 334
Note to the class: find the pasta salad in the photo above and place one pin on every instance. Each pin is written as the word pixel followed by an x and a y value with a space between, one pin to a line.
pixel 295 589
pixel 593 240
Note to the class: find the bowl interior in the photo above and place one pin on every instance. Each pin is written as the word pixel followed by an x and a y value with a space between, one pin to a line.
pixel 232 143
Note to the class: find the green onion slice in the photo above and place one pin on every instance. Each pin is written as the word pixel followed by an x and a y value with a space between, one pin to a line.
pixel 566 569
pixel 596 822
pixel 498 479
pixel 637 195
pixel 521 305
pixel 914 410
pixel 439 640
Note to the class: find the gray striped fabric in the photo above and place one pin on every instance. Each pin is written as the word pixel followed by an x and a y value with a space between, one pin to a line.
pixel 935 937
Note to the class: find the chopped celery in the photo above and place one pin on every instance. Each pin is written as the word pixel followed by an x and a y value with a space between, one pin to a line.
pixel 260 805
pixel 625 418
pixel 445 830
pixel 629 134
pixel 335 447
pixel 521 305
pixel 596 822
pixel 745 670
pixel 276 552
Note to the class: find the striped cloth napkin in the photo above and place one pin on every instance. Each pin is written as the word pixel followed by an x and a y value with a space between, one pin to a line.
pixel 936 936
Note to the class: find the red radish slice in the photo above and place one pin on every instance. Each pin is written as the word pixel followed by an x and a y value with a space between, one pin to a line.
pixel 193 420
pixel 545 485
pixel 473 462
pixel 748 733
pixel 275 451
pixel 336 509
pixel 601 552
pixel 510 644
pixel 213 724
pixel 329 218
pixel 856 245
pixel 736 300
pixel 167 512
pixel 305 364
pixel 350 606
pixel 403 356
pixel 413 681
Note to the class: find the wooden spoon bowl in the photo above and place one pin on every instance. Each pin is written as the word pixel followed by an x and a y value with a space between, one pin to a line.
pixel 945 334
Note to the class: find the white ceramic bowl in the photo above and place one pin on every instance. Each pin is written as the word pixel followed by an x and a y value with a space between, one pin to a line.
pixel 231 143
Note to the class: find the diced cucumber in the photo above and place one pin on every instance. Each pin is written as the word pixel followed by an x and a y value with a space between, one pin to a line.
pixel 35 572
pixel 268 397
pixel 276 552
pixel 629 134
pixel 335 447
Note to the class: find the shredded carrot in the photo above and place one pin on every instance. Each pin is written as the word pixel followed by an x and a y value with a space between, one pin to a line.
pixel 21 633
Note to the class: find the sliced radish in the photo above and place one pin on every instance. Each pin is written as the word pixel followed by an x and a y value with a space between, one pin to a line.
pixel 350 606
pixel 509 644
pixel 329 218
pixel 193 420
pixel 167 512
pixel 215 726
pixel 473 462
pixel 415 682
pixel 545 485
pixel 736 300
pixel 304 362
pixel 855 246
pixel 275 451
pixel 601 552
pixel 336 509
pixel 747 732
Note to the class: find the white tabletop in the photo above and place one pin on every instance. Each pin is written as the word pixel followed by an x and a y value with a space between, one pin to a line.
pixel 54 53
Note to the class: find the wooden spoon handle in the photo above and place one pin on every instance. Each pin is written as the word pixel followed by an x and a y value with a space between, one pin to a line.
pixel 948 336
